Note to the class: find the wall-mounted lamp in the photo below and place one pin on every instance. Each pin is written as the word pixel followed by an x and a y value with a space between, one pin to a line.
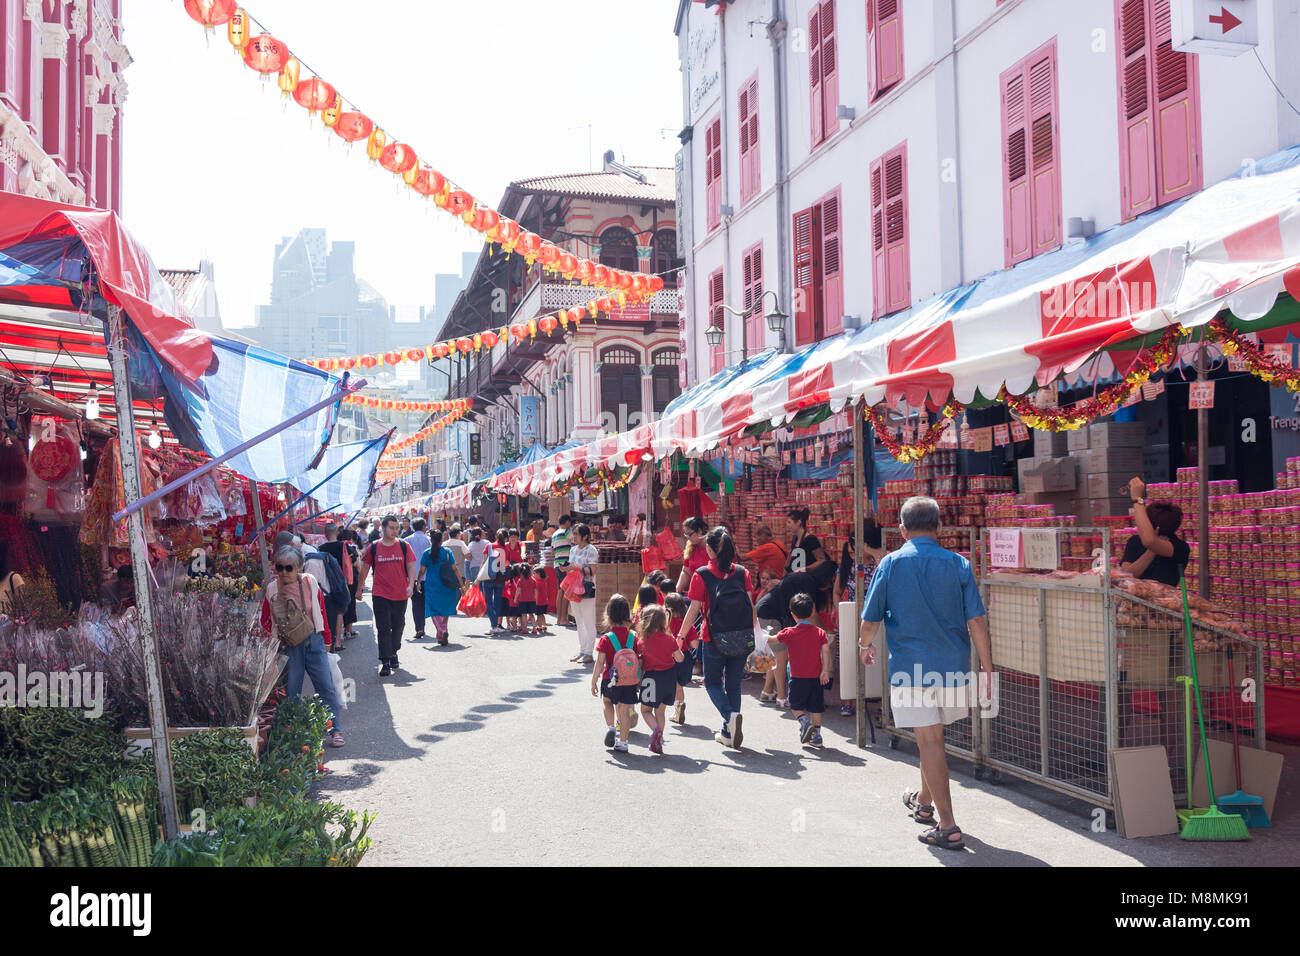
pixel 1076 227
pixel 845 112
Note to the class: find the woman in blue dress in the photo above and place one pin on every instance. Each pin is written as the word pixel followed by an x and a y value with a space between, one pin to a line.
pixel 437 568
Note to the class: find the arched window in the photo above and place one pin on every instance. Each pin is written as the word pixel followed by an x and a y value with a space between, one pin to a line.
pixel 666 377
pixel 618 249
pixel 620 388
pixel 666 259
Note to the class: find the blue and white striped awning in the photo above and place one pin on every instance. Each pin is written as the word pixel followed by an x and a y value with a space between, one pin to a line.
pixel 345 477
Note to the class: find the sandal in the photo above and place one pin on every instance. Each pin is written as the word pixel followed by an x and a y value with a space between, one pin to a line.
pixel 765 696
pixel 920 812
pixel 940 837
pixel 336 740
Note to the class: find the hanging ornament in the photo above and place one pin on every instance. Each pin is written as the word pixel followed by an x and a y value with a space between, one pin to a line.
pixel 237 30
pixel 398 158
pixel 414 355
pixel 547 255
pixel 288 78
pixel 490 339
pixel 528 245
pixel 330 115
pixel 465 345
pixel 368 361
pixel 478 341
pixel 375 144
pixel 605 304
pixel 266 54
pixel 567 264
pixel 314 95
pixel 460 203
pixel 441 350
pixel 428 181
pixel 392 358
pixel 353 126
pixel 584 271
pixel 210 13
pixel 547 324
pixel 656 285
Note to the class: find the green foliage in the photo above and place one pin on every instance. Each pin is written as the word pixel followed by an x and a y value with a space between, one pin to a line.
pixel 292 831
pixel 44 750
pixel 212 769
pixel 508 450
pixel 293 747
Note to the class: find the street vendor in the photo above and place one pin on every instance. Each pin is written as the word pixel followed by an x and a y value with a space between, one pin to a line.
pixel 119 594
pixel 1156 552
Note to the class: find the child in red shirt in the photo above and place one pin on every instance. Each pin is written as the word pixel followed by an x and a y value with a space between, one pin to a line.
pixel 810 668
pixel 509 606
pixel 660 655
pixel 617 700
pixel 676 606
pixel 525 594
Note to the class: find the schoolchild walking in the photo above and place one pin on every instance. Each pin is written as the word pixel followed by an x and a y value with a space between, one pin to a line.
pixel 616 673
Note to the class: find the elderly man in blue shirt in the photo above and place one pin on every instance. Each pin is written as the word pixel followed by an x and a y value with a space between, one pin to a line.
pixel 926 599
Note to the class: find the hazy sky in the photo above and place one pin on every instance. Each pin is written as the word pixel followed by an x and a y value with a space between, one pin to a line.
pixel 218 165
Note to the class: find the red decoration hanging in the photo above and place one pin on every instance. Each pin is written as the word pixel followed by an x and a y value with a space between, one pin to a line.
pixel 414 355
pixel 441 350
pixel 490 339
pixel 529 245
pixel 428 181
pixel 460 202
pixel 656 285
pixel 211 13
pixel 354 126
pixel 465 345
pixel 547 324
pixel 605 304
pixel 584 271
pixel 369 361
pixel 568 263
pixel 600 276
pixel 548 254
pixel 392 358
pixel 314 95
pixel 397 158
pixel 265 54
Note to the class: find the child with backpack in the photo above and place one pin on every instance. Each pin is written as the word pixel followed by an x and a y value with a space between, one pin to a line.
pixel 618 670
pixel 810 668
pixel 660 654
pixel 675 604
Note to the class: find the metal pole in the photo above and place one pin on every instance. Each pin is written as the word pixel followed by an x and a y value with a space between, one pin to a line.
pixel 162 754
pixel 257 538
pixel 859 485
pixel 1203 483
pixel 185 479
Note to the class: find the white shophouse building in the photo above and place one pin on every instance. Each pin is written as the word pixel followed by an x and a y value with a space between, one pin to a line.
pixel 859 156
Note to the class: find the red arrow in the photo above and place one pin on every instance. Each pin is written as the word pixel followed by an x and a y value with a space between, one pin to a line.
pixel 1225 20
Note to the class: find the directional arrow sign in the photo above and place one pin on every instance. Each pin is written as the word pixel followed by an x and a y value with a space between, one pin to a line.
pixel 1225 20
pixel 1223 27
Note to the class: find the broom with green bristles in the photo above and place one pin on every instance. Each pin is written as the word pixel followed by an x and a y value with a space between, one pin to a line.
pixel 1213 824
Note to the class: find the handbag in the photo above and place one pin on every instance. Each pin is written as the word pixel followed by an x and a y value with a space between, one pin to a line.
pixel 447 574
pixel 574 585
pixel 294 624
pixel 652 559
pixel 668 545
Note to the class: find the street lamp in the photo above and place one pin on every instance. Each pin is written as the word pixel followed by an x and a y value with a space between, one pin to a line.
pixel 776 320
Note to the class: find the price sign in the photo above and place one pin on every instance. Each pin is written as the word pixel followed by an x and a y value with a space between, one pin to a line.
pixel 1001 435
pixel 983 439
pixel 1134 397
pixel 1149 390
pixel 1019 431
pixel 1281 354
pixel 1202 395
pixel 909 434
pixel 1042 549
pixel 1004 547
pixel 1236 362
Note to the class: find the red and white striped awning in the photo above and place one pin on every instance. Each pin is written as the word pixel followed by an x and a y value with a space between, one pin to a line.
pixel 1234 245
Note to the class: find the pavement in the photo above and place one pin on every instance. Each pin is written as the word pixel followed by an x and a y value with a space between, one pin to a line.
pixel 489 751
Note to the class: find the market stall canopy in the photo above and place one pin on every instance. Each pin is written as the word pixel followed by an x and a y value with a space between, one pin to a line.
pixel 346 475
pixel 62 266
pixel 1233 246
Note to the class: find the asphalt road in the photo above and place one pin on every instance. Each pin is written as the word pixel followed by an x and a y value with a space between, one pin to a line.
pixel 489 751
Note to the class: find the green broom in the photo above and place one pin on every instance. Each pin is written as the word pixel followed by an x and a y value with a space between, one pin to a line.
pixel 1190 811
pixel 1213 824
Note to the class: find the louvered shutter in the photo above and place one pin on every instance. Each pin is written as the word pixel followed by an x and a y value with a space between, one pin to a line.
pixel 1177 108
pixel 1017 205
pixel 879 274
pixel 713 173
pixel 899 281
pixel 815 107
pixel 1044 152
pixel 830 70
pixel 743 116
pixel 885 45
pixel 755 154
pixel 805 277
pixel 832 277
pixel 717 353
pixel 1137 143
pixel 754 333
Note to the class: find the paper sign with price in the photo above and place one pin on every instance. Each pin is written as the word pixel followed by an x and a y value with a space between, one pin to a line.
pixel 983 439
pixel 1004 547
pixel 1001 435
pixel 1041 549
pixel 1202 395
pixel 1019 431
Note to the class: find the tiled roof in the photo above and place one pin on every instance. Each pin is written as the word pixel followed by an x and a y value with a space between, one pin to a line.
pixel 179 279
pixel 660 185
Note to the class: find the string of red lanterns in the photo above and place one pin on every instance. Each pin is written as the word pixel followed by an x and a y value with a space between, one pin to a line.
pixel 402 443
pixel 267 55
pixel 398 405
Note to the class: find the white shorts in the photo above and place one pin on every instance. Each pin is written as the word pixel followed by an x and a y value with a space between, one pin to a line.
pixel 928 706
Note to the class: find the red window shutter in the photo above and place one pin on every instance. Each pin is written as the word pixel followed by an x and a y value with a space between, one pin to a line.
pixel 749 152
pixel 1016 203
pixel 830 70
pixel 713 173
pixel 743 114
pixel 879 274
pixel 1137 142
pixel 1177 110
pixel 816 108
pixel 752 268
pixel 755 155
pixel 807 278
pixel 832 275
pixel 884 45
pixel 898 269
pixel 717 353
pixel 1045 151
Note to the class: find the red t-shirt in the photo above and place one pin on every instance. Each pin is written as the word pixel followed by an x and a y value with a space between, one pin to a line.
pixel 606 646
pixel 698 592
pixel 804 643
pixel 675 626
pixel 513 553
pixel 389 573
pixel 657 651
pixel 508 592
pixel 526 591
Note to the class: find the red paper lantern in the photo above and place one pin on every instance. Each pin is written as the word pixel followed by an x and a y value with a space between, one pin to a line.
pixel 656 285
pixel 490 339
pixel 465 345
pixel 397 158
pixel 547 324
pixel 353 126
pixel 428 181
pixel 314 94
pixel 575 316
pixel 347 364
pixel 548 254
pixel 600 276
pixel 392 358
pixel 585 270
pixel 519 331
pixel 386 404
pixel 265 54
pixel 403 406
pixel 441 350
pixel 640 283
pixel 485 220
pixel 211 13
pixel 460 202
pixel 529 245
pixel 369 361
pixel 567 264
pixel 605 304
pixel 414 355
pixel 507 231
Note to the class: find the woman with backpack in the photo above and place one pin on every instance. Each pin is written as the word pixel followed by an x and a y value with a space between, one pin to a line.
pixel 719 594
pixel 440 574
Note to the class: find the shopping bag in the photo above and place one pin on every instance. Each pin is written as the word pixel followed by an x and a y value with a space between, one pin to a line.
pixel 761 640
pixel 652 559
pixel 472 603
pixel 574 586
pixel 668 545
